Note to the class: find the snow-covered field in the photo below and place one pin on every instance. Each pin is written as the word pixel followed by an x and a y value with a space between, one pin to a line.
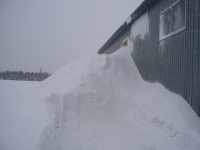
pixel 95 103
pixel 22 117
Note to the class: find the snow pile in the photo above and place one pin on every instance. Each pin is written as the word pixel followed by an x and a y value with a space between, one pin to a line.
pixel 102 103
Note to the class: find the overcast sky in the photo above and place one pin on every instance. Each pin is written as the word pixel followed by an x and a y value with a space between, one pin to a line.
pixel 52 33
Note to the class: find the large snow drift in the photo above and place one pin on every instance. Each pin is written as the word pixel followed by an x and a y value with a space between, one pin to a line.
pixel 102 103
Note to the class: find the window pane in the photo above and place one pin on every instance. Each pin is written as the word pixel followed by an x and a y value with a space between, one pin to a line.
pixel 165 23
pixel 178 15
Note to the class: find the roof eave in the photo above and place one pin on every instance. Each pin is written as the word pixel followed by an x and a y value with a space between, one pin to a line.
pixel 137 13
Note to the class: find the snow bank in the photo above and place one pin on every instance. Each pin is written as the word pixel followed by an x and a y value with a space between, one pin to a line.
pixel 102 103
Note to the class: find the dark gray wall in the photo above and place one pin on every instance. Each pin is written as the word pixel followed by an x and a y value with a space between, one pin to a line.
pixel 174 61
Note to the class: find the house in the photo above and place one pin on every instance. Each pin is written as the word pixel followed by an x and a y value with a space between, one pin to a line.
pixel 164 39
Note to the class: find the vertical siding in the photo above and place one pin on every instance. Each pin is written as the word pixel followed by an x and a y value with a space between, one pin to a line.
pixel 174 61
pixel 197 41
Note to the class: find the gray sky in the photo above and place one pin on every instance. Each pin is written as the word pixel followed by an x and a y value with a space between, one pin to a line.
pixel 52 33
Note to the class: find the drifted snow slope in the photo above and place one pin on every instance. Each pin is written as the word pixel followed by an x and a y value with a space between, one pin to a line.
pixel 102 103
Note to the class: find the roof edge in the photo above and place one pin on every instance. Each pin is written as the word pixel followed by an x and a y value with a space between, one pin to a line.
pixel 137 13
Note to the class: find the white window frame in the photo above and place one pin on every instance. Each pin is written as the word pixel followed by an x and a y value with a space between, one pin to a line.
pixel 174 32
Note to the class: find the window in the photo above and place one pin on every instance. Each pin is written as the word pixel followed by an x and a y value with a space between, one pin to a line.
pixel 166 22
pixel 172 20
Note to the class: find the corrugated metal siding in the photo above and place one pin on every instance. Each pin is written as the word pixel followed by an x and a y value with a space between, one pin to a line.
pixel 198 57
pixel 174 61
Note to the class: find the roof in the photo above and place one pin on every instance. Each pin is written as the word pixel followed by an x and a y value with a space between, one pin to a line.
pixel 138 12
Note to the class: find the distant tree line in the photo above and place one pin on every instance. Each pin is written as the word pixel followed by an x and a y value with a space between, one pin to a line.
pixel 26 76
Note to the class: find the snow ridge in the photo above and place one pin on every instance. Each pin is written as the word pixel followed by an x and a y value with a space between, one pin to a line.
pixel 102 103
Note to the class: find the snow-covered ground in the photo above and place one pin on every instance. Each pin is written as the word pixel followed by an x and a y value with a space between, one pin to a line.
pixel 95 103
pixel 22 116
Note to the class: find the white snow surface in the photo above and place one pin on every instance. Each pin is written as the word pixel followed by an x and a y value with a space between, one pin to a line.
pixel 102 103
pixel 22 116
pixel 128 20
